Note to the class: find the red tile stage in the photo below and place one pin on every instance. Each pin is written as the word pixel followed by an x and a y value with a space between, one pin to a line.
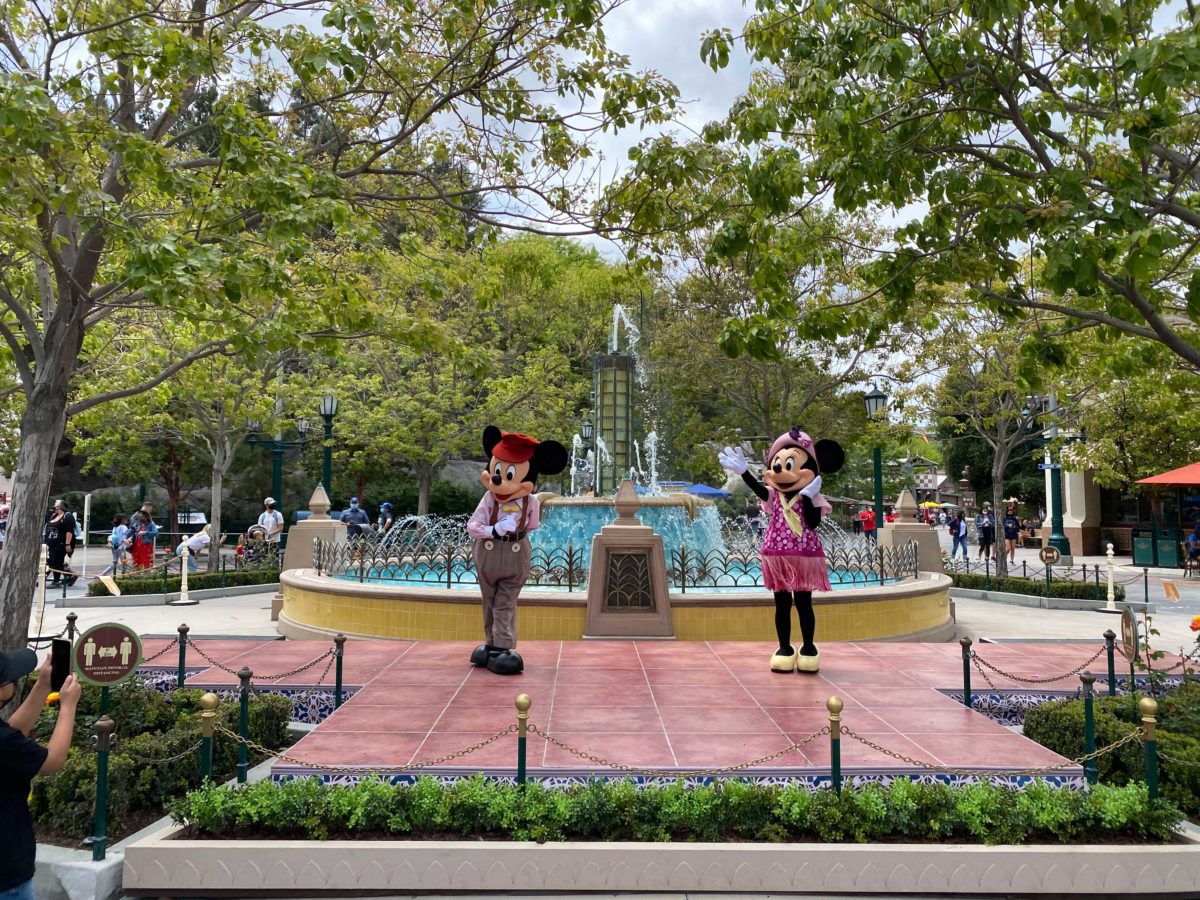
pixel 670 706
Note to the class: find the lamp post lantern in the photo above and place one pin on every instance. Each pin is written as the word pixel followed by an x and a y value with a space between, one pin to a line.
pixel 876 402
pixel 329 406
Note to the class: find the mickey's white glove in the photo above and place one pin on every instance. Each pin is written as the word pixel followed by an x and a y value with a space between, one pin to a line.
pixel 732 460
pixel 811 489
pixel 507 525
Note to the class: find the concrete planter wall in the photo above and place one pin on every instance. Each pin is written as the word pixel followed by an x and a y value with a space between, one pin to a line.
pixel 161 867
pixel 1038 602
pixel 162 599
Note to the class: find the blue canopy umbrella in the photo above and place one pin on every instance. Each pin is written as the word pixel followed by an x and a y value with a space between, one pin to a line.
pixel 703 490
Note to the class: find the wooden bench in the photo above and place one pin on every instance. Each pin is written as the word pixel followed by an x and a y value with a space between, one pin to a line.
pixel 1028 540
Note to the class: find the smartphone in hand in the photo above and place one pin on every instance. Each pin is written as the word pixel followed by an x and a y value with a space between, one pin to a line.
pixel 60 663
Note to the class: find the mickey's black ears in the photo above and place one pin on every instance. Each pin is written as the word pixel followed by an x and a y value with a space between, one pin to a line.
pixel 550 457
pixel 491 437
pixel 830 456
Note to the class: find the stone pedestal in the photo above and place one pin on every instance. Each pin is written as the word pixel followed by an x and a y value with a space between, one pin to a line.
pixel 627 585
pixel 299 551
pixel 906 528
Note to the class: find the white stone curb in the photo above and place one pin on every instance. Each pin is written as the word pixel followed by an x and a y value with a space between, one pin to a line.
pixel 161 867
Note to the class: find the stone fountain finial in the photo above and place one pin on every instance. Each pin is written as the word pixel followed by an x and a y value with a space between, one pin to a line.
pixel 318 504
pixel 627 504
pixel 906 506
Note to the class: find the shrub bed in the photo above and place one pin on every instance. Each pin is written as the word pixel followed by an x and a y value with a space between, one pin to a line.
pixel 621 811
pixel 151 725
pixel 198 581
pixel 1074 590
pixel 1058 726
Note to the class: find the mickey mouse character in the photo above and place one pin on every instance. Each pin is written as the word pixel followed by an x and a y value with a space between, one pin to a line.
pixel 505 516
pixel 793 560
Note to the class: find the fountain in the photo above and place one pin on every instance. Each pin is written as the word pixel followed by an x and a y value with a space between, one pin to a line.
pixel 698 580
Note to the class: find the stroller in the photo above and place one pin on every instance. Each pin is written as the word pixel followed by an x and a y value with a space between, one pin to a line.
pixel 254 551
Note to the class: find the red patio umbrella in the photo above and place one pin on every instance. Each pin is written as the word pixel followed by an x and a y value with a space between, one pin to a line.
pixel 1188 476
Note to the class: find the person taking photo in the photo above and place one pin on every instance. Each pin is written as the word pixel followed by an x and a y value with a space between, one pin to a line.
pixel 21 758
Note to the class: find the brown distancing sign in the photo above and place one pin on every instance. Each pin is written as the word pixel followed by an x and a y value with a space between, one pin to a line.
pixel 1049 555
pixel 107 654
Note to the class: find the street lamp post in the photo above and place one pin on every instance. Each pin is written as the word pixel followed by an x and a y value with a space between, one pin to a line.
pixel 329 406
pixel 1058 537
pixel 876 402
pixel 278 448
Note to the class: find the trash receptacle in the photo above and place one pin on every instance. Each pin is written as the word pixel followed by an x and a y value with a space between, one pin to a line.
pixel 1168 547
pixel 1144 549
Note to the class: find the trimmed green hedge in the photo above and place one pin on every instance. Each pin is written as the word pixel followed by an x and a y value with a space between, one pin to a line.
pixel 1058 726
pixel 150 726
pixel 1075 590
pixel 621 811
pixel 198 581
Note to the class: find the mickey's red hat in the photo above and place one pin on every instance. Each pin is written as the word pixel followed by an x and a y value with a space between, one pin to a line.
pixel 515 447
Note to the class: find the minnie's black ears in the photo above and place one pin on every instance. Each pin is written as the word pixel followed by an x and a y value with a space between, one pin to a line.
pixel 830 456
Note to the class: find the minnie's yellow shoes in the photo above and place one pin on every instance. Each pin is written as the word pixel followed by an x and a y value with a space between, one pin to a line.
pixel 808 664
pixel 784 664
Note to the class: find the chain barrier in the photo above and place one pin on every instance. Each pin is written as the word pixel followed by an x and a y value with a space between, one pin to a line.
pixel 40 639
pixel 962 770
pixel 1183 660
pixel 277 677
pixel 162 762
pixel 1176 760
pixel 174 643
pixel 283 757
pixel 303 695
pixel 980 662
pixel 677 773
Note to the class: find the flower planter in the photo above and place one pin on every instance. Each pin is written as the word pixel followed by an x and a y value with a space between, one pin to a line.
pixel 162 866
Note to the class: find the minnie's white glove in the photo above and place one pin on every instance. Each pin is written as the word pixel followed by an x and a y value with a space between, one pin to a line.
pixel 506 525
pixel 811 489
pixel 732 460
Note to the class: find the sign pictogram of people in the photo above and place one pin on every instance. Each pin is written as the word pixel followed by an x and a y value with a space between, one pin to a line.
pixel 107 654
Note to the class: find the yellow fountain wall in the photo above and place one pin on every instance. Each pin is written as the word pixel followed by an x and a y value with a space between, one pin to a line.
pixel 314 606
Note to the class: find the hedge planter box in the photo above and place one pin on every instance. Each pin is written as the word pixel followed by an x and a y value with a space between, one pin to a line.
pixel 161 866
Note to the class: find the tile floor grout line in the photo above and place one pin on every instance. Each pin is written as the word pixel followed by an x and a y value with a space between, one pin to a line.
pixel 756 702
pixel 553 698
pixel 445 707
pixel 654 701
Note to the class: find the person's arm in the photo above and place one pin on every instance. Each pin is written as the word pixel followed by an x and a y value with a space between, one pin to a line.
pixel 760 489
pixel 27 714
pixel 277 523
pixel 60 742
pixel 477 525
pixel 533 512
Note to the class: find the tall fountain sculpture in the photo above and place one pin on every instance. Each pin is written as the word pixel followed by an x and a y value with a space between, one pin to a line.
pixel 614 377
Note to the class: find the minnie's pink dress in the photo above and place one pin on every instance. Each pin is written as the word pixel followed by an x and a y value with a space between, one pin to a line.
pixel 791 562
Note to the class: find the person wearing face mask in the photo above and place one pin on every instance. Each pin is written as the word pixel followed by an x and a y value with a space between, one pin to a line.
pixel 356 519
pixel 271 521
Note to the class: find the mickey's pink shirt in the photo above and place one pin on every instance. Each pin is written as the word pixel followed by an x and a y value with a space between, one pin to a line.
pixel 479 525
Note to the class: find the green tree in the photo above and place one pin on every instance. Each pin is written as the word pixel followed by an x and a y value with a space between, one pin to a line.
pixel 254 228
pixel 1068 127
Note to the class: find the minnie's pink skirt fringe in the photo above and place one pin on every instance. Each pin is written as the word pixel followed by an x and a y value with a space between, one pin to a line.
pixel 795 573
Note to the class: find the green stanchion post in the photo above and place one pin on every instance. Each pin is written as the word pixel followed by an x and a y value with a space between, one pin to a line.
pixel 1148 707
pixel 1090 768
pixel 164 581
pixel 208 720
pixel 104 701
pixel 965 643
pixel 1049 578
pixel 1110 645
pixel 181 673
pixel 987 573
pixel 243 764
pixel 72 618
pixel 339 651
pixel 523 703
pixel 104 740
pixel 1146 585
pixel 834 705
pixel 64 590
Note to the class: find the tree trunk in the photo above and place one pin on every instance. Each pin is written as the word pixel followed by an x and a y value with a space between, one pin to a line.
pixel 172 479
pixel 424 487
pixel 42 427
pixel 999 464
pixel 214 518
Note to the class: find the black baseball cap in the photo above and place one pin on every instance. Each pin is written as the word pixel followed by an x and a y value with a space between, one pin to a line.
pixel 15 664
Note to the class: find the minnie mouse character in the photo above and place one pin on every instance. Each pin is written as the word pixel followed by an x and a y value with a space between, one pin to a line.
pixel 505 516
pixel 793 560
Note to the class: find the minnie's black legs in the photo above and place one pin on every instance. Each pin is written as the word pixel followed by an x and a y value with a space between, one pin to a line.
pixel 783 622
pixel 808 620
